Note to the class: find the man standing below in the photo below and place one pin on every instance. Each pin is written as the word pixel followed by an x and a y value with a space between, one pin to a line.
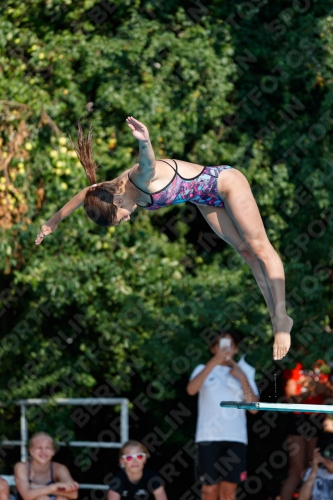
pixel 221 434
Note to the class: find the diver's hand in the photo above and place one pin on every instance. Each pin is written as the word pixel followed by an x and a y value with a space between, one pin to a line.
pixel 139 130
pixel 47 229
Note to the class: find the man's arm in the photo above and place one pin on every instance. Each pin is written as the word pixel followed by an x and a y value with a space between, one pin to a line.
pixel 194 385
pixel 51 225
pixel 249 396
pixel 305 492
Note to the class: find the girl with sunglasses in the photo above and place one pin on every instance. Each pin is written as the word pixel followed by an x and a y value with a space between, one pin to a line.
pixel 135 481
pixel 222 195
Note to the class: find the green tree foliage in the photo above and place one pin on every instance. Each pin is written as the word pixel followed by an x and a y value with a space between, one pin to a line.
pixel 234 84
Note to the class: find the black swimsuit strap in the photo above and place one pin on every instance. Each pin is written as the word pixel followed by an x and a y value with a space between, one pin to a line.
pixel 29 471
pixel 146 192
pixel 137 187
pixel 174 169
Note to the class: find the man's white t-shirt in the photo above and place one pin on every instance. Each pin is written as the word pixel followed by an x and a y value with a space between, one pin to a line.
pixel 222 424
pixel 322 486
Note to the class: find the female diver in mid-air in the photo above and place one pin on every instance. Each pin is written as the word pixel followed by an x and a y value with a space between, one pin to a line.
pixel 222 195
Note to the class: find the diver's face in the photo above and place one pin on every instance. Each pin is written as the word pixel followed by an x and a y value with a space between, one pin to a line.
pixel 125 207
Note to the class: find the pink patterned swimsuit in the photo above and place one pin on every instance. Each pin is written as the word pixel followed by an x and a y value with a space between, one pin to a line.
pixel 200 190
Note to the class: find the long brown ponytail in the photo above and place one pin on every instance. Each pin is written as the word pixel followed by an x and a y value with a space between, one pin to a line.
pixel 84 153
pixel 98 202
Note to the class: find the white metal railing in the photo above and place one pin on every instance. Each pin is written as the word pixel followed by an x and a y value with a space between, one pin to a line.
pixel 23 442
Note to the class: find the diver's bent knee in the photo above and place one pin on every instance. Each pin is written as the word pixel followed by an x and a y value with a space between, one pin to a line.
pixel 262 248
pixel 247 255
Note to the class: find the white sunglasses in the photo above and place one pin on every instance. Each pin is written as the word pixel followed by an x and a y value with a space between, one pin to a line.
pixel 131 456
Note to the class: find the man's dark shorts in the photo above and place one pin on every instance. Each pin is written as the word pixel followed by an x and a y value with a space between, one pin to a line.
pixel 218 461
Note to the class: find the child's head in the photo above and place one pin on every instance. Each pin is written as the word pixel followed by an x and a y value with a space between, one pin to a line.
pixel 41 447
pixel 133 456
pixel 234 336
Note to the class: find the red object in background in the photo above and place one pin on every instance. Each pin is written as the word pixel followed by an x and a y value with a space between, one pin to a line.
pixel 299 375
pixel 295 374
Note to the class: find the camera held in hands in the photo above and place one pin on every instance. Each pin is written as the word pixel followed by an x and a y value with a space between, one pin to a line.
pixel 225 342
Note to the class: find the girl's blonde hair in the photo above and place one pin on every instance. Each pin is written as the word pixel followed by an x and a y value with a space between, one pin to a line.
pixel 40 434
pixel 137 444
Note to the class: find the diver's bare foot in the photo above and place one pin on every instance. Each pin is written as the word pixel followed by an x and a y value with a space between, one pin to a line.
pixel 282 337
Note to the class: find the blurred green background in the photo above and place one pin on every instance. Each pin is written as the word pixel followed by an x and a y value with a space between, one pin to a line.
pixel 227 82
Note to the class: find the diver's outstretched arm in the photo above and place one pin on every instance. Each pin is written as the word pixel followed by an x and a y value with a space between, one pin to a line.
pixel 51 225
pixel 146 168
